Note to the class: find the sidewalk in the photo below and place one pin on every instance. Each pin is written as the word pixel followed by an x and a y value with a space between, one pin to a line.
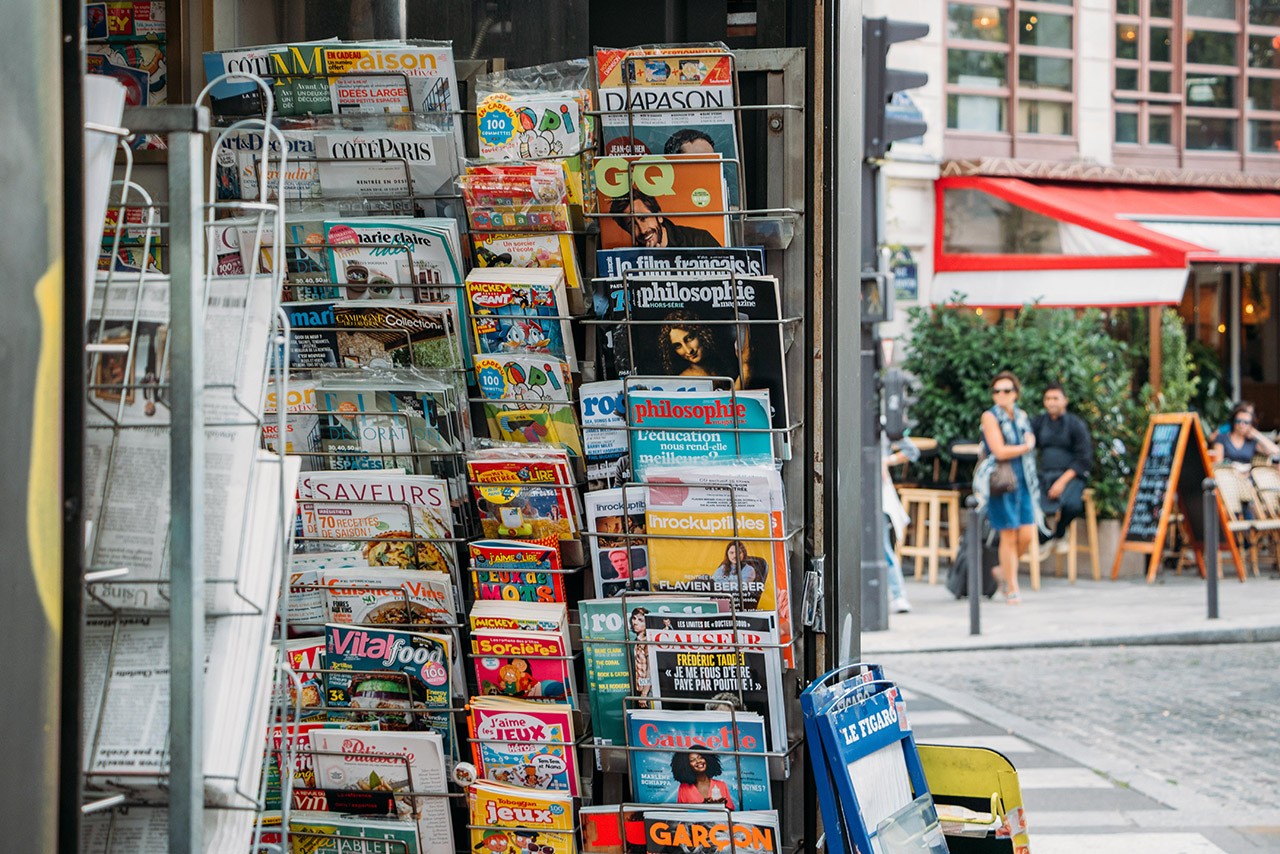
pixel 1173 609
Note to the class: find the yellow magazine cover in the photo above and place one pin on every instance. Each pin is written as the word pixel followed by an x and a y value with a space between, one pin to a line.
pixel 738 561
pixel 511 820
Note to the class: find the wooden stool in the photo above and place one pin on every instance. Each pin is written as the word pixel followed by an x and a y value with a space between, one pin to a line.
pixel 1090 520
pixel 1032 558
pixel 925 507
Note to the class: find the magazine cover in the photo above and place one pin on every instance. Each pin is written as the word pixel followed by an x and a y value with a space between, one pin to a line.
pixel 393 519
pixel 274 62
pixel 687 756
pixel 404 676
pixel 507 196
pixel 512 820
pixel 388 597
pixel 524 497
pixel 301 177
pixel 616 516
pixel 739 562
pixel 602 830
pixel 528 399
pixel 529 125
pixel 525 744
pixel 428 67
pixel 681 98
pixel 330 833
pixel 675 260
pixel 410 765
pixel 687 329
pixel 615 668
pixel 606 443
pixel 753 567
pixel 516 570
pixel 657 201
pixel 725 658
pixel 385 163
pixel 305 658
pixel 378 257
pixel 528 665
pixel 515 309
pixel 383 423
pixel 506 615
pixel 373 334
pixel 686 428
pixel 301 425
pixel 711 832
pixel 528 250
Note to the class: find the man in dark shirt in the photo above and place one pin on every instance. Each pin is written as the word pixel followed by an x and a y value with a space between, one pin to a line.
pixel 647 226
pixel 1065 456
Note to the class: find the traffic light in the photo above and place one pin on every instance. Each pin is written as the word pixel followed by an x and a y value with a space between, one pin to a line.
pixel 900 391
pixel 883 127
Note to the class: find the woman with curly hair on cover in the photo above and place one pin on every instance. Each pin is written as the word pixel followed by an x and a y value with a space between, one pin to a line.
pixel 690 348
pixel 696 773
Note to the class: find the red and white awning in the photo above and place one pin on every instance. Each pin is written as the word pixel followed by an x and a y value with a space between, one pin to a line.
pixel 1006 242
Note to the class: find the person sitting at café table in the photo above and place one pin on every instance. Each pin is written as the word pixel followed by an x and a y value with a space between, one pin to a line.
pixel 1242 442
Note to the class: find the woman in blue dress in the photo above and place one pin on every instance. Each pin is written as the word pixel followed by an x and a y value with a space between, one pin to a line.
pixel 1007 436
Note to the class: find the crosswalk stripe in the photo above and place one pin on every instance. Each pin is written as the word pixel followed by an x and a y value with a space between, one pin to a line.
pixel 937 717
pixel 1061 778
pixel 1122 843
pixel 998 743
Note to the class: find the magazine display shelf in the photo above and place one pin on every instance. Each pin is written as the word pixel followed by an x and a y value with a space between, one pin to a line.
pixel 157 403
pixel 778 225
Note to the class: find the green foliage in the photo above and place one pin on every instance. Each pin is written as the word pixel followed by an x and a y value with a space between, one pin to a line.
pixel 956 353
pixel 1211 399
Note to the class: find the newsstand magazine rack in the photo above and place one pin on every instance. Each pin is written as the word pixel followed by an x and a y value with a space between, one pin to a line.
pixel 774 80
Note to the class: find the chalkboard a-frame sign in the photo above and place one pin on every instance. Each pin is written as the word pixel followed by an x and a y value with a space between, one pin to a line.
pixel 1173 464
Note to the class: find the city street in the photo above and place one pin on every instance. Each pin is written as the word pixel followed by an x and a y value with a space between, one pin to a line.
pixel 1144 748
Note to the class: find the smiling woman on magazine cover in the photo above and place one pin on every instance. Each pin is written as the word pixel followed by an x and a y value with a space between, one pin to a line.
pixel 696 773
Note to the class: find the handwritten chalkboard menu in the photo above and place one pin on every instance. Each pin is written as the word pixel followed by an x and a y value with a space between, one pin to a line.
pixel 1147 505
pixel 1171 468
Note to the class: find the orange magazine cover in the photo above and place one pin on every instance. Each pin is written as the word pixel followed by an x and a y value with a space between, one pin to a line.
pixel 658 200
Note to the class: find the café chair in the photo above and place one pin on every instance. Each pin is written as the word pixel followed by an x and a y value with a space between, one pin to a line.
pixel 1247 519
pixel 1090 519
pixel 933 513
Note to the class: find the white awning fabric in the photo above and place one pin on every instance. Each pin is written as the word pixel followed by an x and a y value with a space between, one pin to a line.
pixel 1061 288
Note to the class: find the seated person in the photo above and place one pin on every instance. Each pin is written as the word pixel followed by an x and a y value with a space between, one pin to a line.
pixel 1066 456
pixel 1241 442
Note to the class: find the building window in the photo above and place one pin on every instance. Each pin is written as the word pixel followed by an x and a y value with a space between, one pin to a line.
pixel 1011 67
pixel 1201 75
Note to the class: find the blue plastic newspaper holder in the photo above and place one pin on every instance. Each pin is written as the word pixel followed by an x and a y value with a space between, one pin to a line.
pixel 863 755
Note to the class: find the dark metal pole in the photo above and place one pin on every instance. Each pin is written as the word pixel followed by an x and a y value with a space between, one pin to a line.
pixel 1211 523
pixel 974 524
pixel 843 490
pixel 73 402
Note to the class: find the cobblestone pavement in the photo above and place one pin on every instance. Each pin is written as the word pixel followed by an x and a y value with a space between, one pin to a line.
pixel 1203 719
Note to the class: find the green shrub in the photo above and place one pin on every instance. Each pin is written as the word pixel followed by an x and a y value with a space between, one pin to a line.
pixel 956 353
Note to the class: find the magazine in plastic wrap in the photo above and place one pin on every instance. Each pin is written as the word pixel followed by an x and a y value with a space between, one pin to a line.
pixel 670 99
pixel 689 428
pixel 410 765
pixel 528 399
pixel 742 508
pixel 400 520
pixel 523 743
pixel 619 548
